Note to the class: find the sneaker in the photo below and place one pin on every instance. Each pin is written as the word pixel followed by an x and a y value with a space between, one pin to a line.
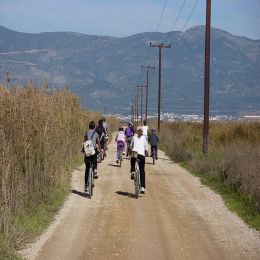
pixel 132 175
pixel 143 190
pixel 95 174
pixel 117 161
pixel 123 153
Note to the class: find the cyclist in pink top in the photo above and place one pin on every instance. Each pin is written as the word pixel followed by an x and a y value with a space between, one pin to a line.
pixel 121 140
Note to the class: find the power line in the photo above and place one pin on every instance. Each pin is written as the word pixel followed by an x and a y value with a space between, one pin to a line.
pixel 188 19
pixel 160 20
pixel 148 49
pixel 183 3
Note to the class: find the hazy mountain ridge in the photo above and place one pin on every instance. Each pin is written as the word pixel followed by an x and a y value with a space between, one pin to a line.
pixel 107 69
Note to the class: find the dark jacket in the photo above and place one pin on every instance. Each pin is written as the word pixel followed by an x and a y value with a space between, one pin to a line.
pixel 153 139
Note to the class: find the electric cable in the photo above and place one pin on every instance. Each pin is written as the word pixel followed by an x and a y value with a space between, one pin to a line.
pixel 177 18
pixel 188 19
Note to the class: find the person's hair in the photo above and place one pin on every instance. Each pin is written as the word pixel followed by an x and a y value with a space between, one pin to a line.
pixel 103 119
pixel 120 128
pixel 144 122
pixel 100 122
pixel 91 125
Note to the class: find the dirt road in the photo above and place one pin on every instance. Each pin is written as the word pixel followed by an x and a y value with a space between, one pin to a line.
pixel 177 218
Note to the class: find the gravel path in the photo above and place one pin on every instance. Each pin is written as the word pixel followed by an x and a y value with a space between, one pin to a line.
pixel 177 218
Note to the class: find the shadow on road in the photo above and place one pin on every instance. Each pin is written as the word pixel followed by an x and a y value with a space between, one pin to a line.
pixel 78 169
pixel 80 193
pixel 164 159
pixel 126 194
pixel 113 165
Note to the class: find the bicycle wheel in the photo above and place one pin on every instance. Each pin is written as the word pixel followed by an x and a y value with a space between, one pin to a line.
pixel 153 155
pixel 137 183
pixel 120 157
pixel 90 182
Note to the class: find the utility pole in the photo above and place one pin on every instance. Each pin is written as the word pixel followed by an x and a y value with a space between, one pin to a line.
pixel 147 67
pixel 141 87
pixel 132 112
pixel 134 108
pixel 7 78
pixel 207 78
pixel 137 101
pixel 160 46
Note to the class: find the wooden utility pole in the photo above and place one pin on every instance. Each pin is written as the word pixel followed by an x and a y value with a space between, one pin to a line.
pixel 147 67
pixel 7 77
pixel 160 46
pixel 137 104
pixel 207 78
pixel 141 88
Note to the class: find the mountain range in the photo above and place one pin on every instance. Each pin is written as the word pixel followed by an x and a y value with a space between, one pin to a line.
pixel 105 70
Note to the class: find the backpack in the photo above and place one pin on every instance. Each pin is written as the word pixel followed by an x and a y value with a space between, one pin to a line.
pixel 89 148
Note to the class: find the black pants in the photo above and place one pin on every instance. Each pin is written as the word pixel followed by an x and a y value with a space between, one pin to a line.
pixel 90 159
pixel 141 162
pixel 155 148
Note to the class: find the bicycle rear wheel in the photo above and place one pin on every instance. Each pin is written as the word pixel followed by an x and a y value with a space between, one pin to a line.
pixel 120 158
pixel 137 183
pixel 153 155
pixel 90 183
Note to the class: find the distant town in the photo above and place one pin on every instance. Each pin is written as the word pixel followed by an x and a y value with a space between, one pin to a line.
pixel 174 117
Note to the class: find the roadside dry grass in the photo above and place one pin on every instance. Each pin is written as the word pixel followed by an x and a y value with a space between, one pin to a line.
pixel 41 134
pixel 231 166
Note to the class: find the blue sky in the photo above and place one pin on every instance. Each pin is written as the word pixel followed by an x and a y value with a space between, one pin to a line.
pixel 126 17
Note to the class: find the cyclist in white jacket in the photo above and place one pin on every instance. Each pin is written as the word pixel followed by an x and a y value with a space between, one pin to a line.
pixel 139 145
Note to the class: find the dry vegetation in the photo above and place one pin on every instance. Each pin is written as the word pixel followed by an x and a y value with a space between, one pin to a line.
pixel 233 160
pixel 41 134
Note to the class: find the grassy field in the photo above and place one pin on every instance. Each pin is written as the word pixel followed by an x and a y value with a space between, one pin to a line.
pixel 231 166
pixel 41 133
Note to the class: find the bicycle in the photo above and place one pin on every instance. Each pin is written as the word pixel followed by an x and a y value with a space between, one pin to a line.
pixel 100 156
pixel 121 147
pixel 153 153
pixel 128 148
pixel 91 180
pixel 137 182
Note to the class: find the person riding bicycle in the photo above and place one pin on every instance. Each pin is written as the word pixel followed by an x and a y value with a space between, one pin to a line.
pixel 153 139
pixel 129 133
pixel 145 129
pixel 92 135
pixel 106 135
pixel 139 145
pixel 101 133
pixel 120 139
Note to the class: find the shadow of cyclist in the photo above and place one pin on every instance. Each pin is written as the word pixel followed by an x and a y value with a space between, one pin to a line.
pixel 80 193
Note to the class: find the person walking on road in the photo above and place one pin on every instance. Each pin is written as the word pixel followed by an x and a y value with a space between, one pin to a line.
pixel 139 145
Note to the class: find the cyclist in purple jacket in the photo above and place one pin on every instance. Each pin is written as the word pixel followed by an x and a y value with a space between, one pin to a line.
pixel 129 133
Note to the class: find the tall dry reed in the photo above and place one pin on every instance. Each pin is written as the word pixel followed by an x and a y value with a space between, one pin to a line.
pixel 41 133
pixel 233 157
